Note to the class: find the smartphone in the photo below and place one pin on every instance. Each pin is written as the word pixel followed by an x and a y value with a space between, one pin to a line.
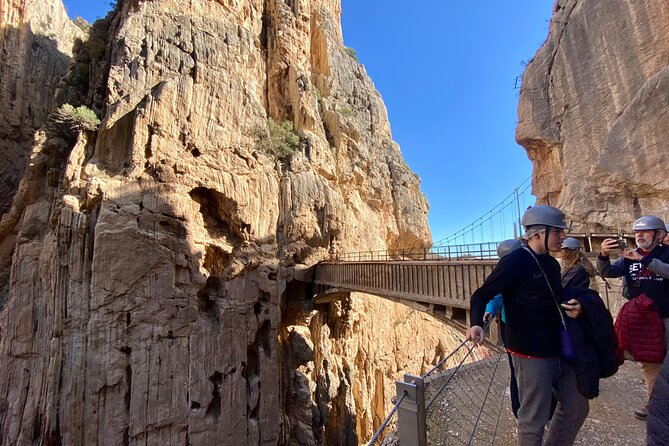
pixel 622 244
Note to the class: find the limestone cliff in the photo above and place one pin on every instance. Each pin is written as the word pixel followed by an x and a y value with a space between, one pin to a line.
pixel 592 112
pixel 36 42
pixel 149 277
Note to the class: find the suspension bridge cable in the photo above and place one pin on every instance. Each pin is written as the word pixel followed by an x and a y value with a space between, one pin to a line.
pixel 488 216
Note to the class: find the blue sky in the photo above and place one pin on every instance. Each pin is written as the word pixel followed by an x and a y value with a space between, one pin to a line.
pixel 446 71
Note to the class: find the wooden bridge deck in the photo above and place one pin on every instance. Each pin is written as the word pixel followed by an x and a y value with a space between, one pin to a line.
pixel 437 281
pixel 447 284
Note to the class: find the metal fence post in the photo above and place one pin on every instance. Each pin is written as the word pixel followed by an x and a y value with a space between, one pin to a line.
pixel 411 423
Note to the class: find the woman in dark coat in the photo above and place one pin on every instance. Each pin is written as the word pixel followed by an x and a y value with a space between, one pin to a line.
pixel 576 268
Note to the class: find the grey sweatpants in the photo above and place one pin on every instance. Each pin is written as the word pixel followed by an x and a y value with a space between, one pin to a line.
pixel 538 379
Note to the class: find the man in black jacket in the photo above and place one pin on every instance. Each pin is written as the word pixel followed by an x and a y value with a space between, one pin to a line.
pixel 529 280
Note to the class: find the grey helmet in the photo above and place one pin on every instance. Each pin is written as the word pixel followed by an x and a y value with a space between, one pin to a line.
pixel 571 243
pixel 543 215
pixel 648 223
pixel 507 246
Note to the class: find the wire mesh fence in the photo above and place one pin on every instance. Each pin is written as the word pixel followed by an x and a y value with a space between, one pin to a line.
pixel 465 404
pixel 470 403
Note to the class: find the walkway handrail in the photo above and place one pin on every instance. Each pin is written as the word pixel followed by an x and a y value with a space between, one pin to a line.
pixel 464 341
pixel 470 251
pixel 462 361
pixel 436 367
pixel 441 389
pixel 413 380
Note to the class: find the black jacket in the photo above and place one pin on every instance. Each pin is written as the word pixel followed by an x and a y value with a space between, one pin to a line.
pixel 576 276
pixel 658 408
pixel 532 314
pixel 594 340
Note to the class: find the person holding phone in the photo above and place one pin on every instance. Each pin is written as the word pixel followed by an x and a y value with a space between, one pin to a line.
pixel 529 280
pixel 646 272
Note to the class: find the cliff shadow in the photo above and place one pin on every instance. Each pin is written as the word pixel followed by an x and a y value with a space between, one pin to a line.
pixel 126 299
pixel 30 74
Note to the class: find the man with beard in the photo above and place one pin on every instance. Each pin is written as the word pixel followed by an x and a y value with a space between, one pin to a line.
pixel 646 271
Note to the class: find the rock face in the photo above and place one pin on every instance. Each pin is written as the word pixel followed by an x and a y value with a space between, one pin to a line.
pixel 592 112
pixel 148 292
pixel 36 41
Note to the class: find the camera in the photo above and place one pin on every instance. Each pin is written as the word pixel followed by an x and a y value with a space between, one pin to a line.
pixel 622 244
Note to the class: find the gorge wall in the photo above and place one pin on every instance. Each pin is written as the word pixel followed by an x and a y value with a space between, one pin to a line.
pixel 147 276
pixel 36 43
pixel 593 112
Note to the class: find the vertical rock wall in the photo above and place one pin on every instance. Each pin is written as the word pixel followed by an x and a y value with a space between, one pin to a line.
pixel 36 44
pixel 592 112
pixel 150 293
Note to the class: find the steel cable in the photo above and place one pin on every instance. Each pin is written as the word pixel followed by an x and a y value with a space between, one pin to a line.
pixel 440 363
pixel 462 361
pixel 478 418
pixel 488 215
pixel 441 389
pixel 387 420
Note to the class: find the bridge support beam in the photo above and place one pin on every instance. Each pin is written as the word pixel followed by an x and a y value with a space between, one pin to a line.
pixel 411 417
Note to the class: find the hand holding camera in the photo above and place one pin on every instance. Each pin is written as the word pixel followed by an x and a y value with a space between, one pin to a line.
pixel 611 244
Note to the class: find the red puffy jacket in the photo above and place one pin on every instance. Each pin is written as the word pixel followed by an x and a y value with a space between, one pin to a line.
pixel 640 331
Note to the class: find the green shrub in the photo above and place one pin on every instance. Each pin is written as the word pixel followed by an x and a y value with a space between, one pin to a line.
pixel 81 118
pixel 282 141
pixel 351 52
pixel 345 111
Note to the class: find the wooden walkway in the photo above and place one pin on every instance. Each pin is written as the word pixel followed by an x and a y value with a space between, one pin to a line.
pixel 442 288
pixel 439 280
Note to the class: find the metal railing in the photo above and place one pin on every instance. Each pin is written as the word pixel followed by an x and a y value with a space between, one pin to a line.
pixel 472 251
pixel 461 405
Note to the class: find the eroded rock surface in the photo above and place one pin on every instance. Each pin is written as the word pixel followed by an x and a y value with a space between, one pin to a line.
pixel 36 43
pixel 592 112
pixel 148 292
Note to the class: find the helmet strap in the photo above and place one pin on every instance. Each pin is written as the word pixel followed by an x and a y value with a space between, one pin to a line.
pixel 548 232
pixel 655 240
